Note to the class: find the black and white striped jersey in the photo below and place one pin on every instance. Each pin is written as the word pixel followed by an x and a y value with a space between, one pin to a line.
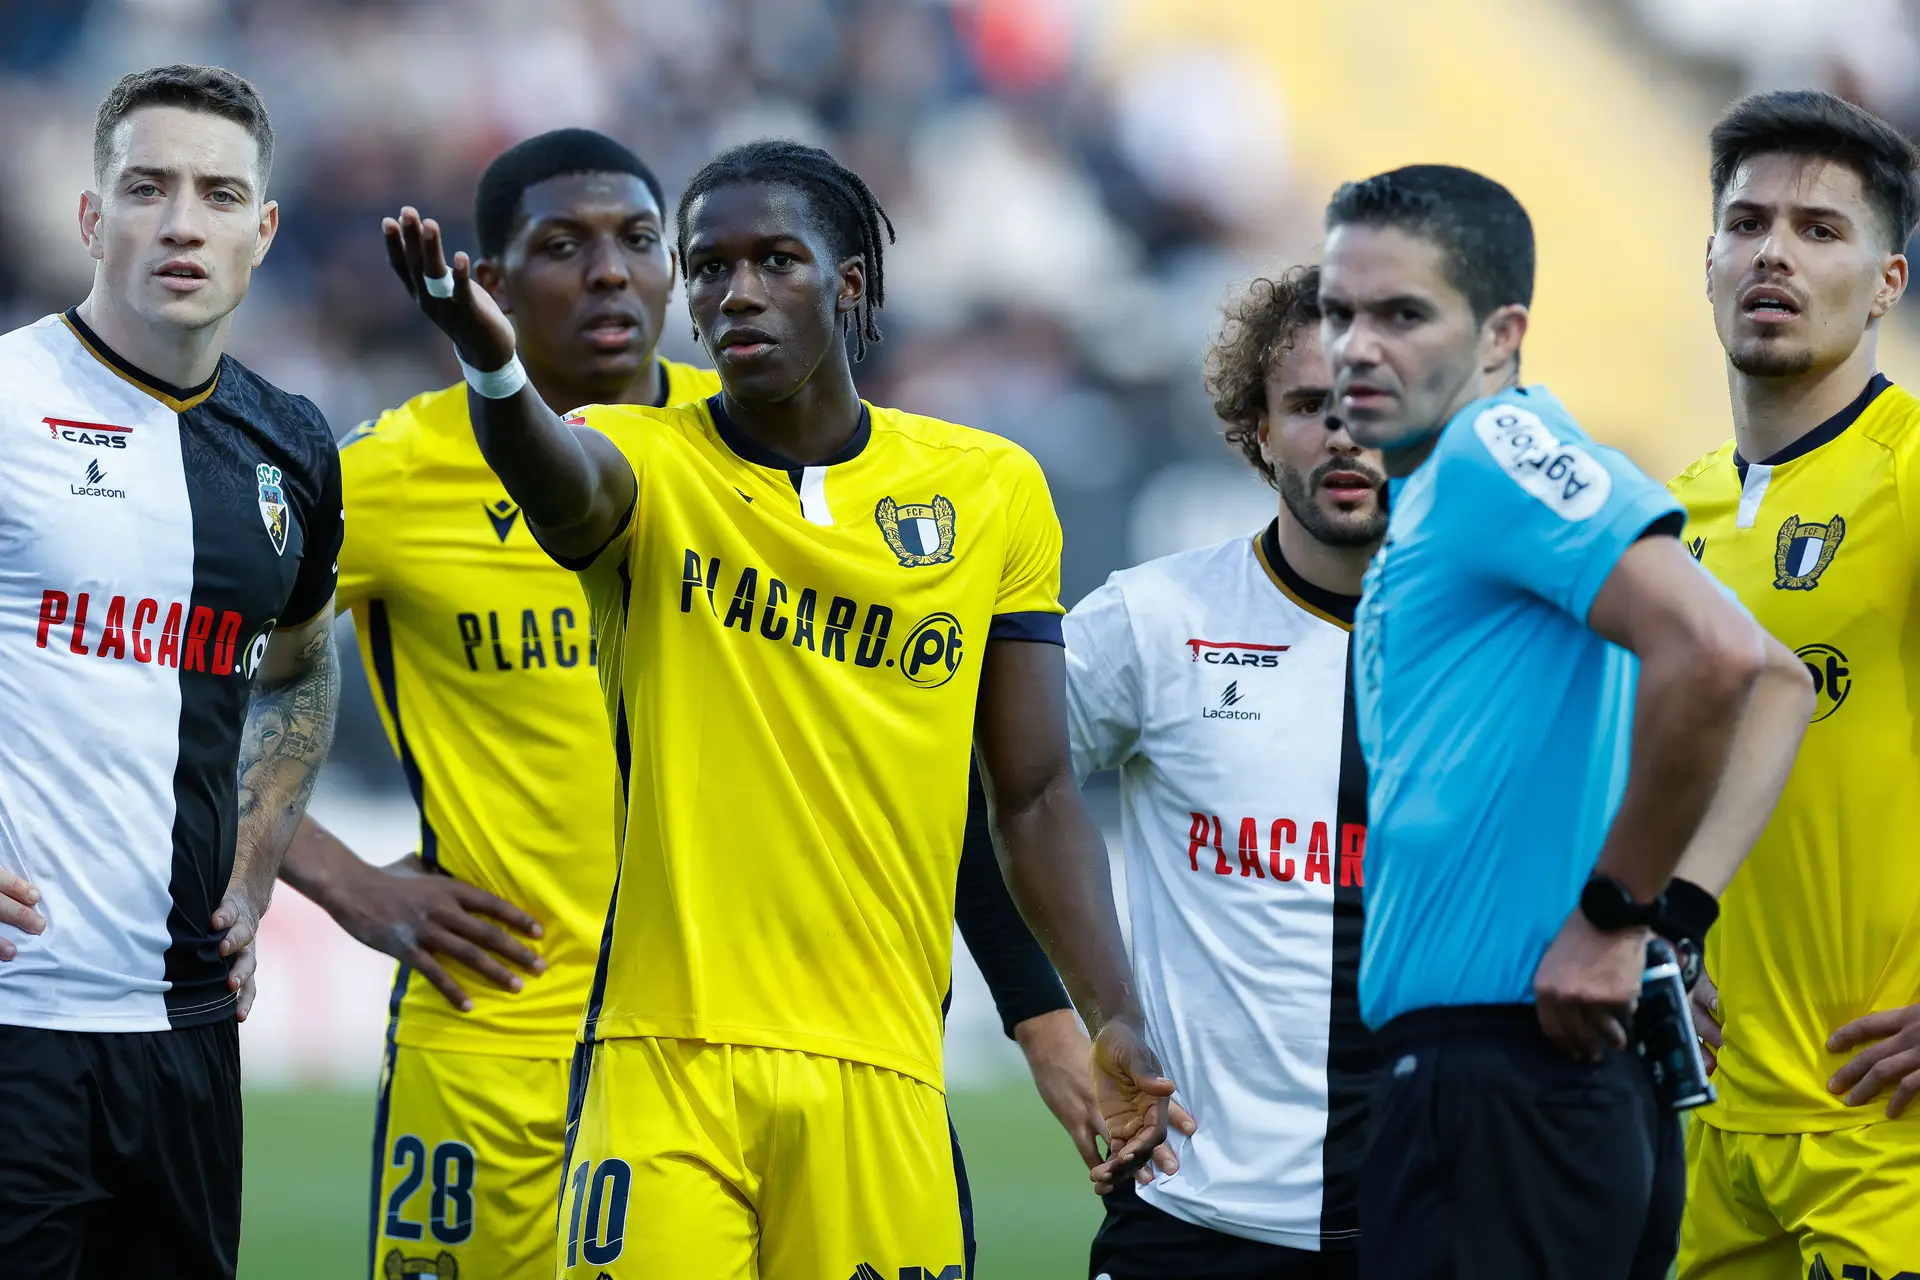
pixel 1219 683
pixel 151 537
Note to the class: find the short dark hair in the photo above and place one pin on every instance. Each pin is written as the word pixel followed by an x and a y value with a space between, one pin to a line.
pixel 1806 122
pixel 497 202
pixel 839 201
pixel 1263 322
pixel 1484 235
pixel 214 90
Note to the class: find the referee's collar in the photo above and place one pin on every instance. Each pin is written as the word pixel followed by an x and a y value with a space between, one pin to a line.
pixel 1825 433
pixel 178 399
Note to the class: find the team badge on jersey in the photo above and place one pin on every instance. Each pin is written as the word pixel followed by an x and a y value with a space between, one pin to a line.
pixel 920 534
pixel 273 506
pixel 1804 552
pixel 400 1266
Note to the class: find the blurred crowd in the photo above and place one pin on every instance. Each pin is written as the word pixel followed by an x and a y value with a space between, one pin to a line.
pixel 1066 231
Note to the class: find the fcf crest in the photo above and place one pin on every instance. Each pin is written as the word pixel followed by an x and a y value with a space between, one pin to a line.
pixel 273 506
pixel 1804 552
pixel 920 534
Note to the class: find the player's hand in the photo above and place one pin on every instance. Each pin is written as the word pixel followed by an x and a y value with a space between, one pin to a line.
pixel 1132 1097
pixel 1704 1001
pixel 1057 1052
pixel 480 331
pixel 416 916
pixel 240 980
pixel 238 915
pixel 1587 985
pixel 18 898
pixel 1893 1060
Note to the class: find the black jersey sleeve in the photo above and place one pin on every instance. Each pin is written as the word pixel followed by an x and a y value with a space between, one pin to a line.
pixel 1017 971
pixel 324 523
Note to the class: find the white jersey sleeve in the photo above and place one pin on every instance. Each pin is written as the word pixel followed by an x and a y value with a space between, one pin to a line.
pixel 1103 681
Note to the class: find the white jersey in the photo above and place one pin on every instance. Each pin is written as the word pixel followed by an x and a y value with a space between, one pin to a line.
pixel 151 537
pixel 1218 683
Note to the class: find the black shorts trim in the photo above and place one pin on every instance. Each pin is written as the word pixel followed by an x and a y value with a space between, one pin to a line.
pixel 1140 1242
pixel 382 1111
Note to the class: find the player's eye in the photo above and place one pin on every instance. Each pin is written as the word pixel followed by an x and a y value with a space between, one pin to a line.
pixel 223 196
pixel 711 270
pixel 1408 316
pixel 1821 231
pixel 145 190
pixel 781 261
pixel 1311 406
pixel 1745 226
pixel 560 246
pixel 643 240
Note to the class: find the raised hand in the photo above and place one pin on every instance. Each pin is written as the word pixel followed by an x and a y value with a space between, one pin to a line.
pixel 468 314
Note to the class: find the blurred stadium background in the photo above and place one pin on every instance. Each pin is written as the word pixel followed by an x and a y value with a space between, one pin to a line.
pixel 1077 184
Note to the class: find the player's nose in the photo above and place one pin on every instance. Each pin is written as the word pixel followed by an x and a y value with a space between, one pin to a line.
pixel 607 265
pixel 744 291
pixel 183 222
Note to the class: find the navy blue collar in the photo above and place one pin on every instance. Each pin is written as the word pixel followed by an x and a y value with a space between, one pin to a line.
pixel 753 451
pixel 1826 432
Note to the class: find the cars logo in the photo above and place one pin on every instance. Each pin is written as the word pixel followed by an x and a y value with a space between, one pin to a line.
pixel 93 435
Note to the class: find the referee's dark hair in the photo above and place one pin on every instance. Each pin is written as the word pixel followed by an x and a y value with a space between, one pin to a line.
pixel 213 90
pixel 1806 122
pixel 1484 235
pixel 496 205
pixel 1263 323
pixel 838 200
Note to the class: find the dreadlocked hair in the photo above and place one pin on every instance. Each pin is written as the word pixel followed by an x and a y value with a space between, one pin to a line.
pixel 839 201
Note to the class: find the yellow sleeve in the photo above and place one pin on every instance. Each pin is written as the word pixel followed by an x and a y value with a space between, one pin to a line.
pixel 366 476
pixel 1027 605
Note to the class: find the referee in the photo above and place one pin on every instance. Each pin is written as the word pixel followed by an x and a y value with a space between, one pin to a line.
pixel 167 540
pixel 1528 806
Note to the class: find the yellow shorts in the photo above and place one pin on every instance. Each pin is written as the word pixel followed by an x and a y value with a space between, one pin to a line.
pixel 734 1163
pixel 1764 1206
pixel 468 1152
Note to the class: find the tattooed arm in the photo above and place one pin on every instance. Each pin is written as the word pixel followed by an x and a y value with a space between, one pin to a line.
pixel 289 728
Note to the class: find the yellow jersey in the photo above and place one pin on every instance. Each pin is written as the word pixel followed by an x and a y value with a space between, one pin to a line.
pixel 482 657
pixel 1822 924
pixel 790 657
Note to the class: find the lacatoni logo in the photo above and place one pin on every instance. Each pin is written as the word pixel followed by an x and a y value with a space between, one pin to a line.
pixel 189 637
pixel 1229 708
pixel 94 486
pixel 1235 653
pixel 91 435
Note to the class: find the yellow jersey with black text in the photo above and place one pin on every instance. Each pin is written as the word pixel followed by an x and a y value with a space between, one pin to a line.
pixel 790 658
pixel 1821 925
pixel 482 656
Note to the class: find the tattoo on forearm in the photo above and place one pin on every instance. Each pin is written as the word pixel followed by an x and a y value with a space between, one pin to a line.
pixel 288 731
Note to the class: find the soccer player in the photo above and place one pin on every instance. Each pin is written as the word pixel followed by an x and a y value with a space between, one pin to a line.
pixel 485 660
pixel 166 572
pixel 1530 791
pixel 1809 1163
pixel 799 596
pixel 1219 683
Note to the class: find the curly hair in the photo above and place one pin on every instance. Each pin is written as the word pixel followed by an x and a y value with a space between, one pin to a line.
pixel 1262 324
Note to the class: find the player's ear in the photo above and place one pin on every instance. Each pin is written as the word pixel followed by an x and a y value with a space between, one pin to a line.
pixel 1893 285
pixel 487 274
pixel 1263 435
pixel 1501 335
pixel 1706 274
pixel 90 209
pixel 853 284
pixel 269 228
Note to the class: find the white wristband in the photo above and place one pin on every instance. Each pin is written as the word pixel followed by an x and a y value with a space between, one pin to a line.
pixel 499 384
pixel 440 286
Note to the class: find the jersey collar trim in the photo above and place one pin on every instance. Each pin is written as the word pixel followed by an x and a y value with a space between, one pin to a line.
pixel 751 450
pixel 1826 432
pixel 666 384
pixel 178 399
pixel 1328 606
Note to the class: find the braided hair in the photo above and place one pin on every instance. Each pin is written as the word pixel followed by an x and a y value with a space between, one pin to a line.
pixel 839 201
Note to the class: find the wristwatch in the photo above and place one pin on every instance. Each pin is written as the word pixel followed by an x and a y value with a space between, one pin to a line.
pixel 1610 906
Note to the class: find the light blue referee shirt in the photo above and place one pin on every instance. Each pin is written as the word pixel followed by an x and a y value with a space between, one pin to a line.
pixel 1495 725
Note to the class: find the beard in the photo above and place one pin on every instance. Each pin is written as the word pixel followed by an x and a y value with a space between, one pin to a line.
pixel 1361 528
pixel 1763 359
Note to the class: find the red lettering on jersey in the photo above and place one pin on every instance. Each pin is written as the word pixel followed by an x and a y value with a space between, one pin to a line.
pixel 199 627
pixel 144 612
pixel 1353 853
pixel 223 642
pixel 79 643
pixel 169 655
pixel 1319 863
pixel 1196 834
pixel 1250 848
pixel 53 612
pixel 1220 867
pixel 1284 833
pixel 114 634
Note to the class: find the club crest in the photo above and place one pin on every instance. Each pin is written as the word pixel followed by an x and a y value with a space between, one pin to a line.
pixel 1804 552
pixel 273 506
pixel 919 533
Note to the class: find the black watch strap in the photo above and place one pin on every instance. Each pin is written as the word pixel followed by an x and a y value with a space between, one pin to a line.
pixel 1610 906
